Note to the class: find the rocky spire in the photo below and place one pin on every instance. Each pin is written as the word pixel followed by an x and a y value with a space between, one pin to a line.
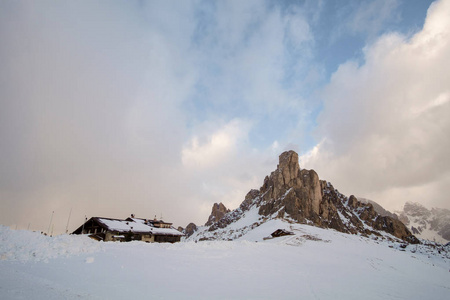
pixel 288 166
pixel 298 195
pixel 190 229
pixel 289 186
pixel 217 213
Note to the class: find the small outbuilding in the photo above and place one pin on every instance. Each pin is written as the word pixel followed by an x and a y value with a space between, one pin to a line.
pixel 130 229
pixel 281 232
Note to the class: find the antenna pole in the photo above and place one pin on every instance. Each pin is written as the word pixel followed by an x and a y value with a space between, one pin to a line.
pixel 67 226
pixel 51 218
pixel 82 229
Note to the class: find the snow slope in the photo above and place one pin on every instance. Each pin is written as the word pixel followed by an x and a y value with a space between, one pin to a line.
pixel 313 264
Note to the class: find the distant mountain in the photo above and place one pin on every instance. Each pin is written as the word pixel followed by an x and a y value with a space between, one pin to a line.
pixel 297 195
pixel 428 224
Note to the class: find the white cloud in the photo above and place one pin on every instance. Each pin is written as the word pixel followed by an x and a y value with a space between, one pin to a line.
pixel 441 99
pixel 154 107
pixel 113 109
pixel 386 122
pixel 217 147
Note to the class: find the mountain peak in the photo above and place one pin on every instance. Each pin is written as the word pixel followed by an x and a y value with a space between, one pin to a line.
pixel 288 167
pixel 218 211
pixel 298 195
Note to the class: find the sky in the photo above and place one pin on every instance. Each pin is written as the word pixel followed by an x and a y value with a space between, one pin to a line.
pixel 109 108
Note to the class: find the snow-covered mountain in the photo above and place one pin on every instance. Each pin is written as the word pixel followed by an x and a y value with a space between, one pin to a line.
pixel 297 196
pixel 431 224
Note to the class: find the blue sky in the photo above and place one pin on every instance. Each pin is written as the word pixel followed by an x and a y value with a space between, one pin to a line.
pixel 327 34
pixel 166 107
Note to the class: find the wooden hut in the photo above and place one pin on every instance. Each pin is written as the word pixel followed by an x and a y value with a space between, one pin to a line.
pixel 130 229
pixel 281 232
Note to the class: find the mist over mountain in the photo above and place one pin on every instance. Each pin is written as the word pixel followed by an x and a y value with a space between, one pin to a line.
pixel 431 224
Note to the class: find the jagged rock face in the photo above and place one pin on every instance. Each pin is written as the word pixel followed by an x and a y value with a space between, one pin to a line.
pixel 303 197
pixel 395 227
pixel 294 189
pixel 190 229
pixel 217 213
pixel 299 195
pixel 289 167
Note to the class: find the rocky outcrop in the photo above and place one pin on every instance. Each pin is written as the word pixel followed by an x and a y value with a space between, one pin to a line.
pixel 300 196
pixel 218 212
pixel 296 191
pixel 378 208
pixel 395 227
pixel 190 229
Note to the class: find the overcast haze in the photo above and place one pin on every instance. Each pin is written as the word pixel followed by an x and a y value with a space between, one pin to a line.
pixel 165 107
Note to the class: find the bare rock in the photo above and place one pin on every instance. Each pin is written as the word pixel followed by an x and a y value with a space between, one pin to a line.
pixel 353 202
pixel 396 228
pixel 288 166
pixel 190 229
pixel 378 208
pixel 217 213
pixel 299 195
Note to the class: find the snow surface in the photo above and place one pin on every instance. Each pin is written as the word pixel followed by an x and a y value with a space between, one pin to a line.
pixel 312 264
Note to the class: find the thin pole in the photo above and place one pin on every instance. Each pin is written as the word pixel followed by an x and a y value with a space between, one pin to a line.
pixel 51 218
pixel 82 229
pixel 28 226
pixel 67 226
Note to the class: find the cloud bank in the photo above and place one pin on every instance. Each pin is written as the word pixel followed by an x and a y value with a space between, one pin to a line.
pixel 385 125
pixel 137 107
pixel 165 107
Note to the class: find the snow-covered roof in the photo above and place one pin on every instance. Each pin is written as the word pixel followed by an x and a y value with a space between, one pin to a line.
pixel 136 226
pixel 139 220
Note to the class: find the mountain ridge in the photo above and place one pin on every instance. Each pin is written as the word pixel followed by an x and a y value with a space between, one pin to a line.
pixel 298 195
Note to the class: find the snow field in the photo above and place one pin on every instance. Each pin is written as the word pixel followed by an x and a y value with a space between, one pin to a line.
pixel 23 245
pixel 323 264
